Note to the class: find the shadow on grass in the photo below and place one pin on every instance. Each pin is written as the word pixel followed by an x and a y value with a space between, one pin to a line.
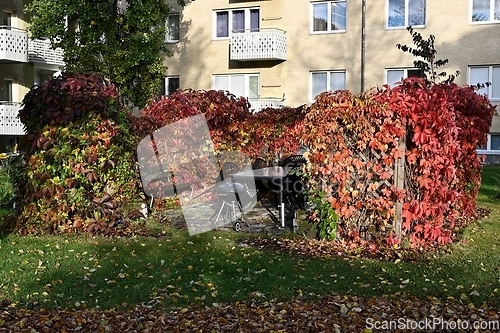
pixel 489 193
pixel 179 270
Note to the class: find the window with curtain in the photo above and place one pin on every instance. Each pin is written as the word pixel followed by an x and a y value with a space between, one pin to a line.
pixel 254 20
pixel 326 80
pixel 329 16
pixel 320 17
pixel 236 21
pixel 253 86
pixel 172 28
pixel 222 24
pixel 246 85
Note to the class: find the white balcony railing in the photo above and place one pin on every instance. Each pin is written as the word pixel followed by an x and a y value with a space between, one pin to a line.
pixel 40 50
pixel 13 44
pixel 266 44
pixel 259 104
pixel 9 121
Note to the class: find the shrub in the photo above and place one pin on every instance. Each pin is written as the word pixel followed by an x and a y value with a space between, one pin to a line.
pixel 474 116
pixel 355 141
pixel 274 132
pixel 10 168
pixel 232 126
pixel 80 166
pixel 354 144
pixel 431 122
pixel 224 114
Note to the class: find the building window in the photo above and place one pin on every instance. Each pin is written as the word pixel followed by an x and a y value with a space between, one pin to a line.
pixel 329 16
pixel 326 80
pixel 169 85
pixel 485 10
pixel 172 28
pixel 246 85
pixel 493 143
pixel 7 90
pixel 236 21
pixel 395 75
pixel 7 19
pixel 485 74
pixel 403 13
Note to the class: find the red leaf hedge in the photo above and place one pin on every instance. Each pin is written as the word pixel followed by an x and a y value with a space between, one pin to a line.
pixel 354 144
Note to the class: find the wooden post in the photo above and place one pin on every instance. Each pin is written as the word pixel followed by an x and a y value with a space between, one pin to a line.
pixel 399 182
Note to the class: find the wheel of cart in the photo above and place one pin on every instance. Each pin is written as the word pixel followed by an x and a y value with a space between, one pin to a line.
pixel 231 210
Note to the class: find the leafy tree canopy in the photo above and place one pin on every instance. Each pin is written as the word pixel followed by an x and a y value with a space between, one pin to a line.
pixel 122 40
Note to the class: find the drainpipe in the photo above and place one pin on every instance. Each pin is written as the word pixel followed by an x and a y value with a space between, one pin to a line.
pixel 363 12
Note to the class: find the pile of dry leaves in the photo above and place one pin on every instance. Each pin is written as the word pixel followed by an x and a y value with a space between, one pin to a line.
pixel 327 314
pixel 328 249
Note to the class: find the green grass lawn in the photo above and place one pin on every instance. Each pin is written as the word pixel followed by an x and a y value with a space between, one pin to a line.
pixel 4 181
pixel 178 270
pixel 5 193
pixel 490 186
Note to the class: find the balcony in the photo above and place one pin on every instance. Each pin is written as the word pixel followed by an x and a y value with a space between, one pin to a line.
pixel 259 104
pixel 13 45
pixel 266 44
pixel 9 122
pixel 40 50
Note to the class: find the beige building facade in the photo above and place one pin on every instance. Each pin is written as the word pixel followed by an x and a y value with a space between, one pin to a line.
pixel 282 52
pixel 285 52
pixel 23 63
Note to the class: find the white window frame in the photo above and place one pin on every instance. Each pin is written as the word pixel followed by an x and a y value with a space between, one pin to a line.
pixel 166 80
pixel 491 14
pixel 246 78
pixel 487 150
pixel 407 18
pixel 329 17
pixel 230 20
pixel 495 81
pixel 405 74
pixel 312 95
pixel 168 32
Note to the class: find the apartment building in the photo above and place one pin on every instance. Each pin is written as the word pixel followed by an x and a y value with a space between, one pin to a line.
pixel 23 63
pixel 282 52
pixel 285 52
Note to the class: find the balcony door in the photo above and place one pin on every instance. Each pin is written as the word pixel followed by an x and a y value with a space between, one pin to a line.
pixel 7 90
pixel 7 18
pixel 252 17
pixel 236 21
